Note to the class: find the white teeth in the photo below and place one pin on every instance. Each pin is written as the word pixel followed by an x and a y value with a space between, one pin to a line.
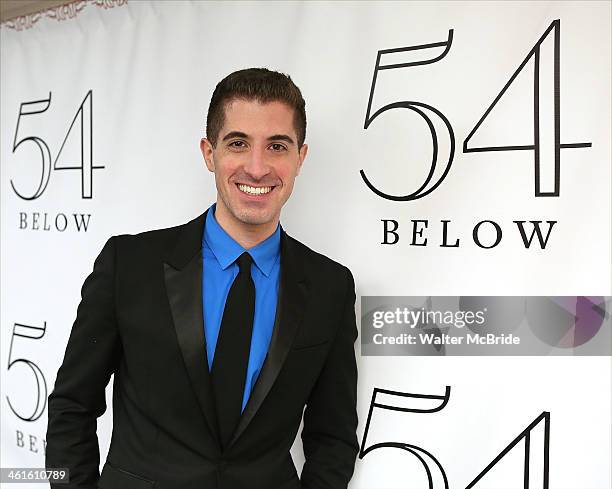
pixel 254 190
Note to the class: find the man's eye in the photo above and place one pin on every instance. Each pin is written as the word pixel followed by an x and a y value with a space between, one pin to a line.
pixel 237 144
pixel 277 147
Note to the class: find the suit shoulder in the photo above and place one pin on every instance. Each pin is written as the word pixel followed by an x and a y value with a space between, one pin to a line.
pixel 149 236
pixel 152 239
pixel 319 262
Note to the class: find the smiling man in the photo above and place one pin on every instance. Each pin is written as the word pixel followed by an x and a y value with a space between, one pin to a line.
pixel 254 170
pixel 222 333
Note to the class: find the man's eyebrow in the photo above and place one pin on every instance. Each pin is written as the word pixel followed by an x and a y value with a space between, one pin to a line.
pixel 234 134
pixel 275 137
pixel 281 137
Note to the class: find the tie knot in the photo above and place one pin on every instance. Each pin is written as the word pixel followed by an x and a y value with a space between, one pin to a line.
pixel 244 262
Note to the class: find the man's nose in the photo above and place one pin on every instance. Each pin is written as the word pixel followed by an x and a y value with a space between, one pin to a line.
pixel 257 166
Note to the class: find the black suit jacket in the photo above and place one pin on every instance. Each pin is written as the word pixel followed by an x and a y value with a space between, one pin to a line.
pixel 140 318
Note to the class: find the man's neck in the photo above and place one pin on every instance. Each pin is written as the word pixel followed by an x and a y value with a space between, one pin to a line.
pixel 246 235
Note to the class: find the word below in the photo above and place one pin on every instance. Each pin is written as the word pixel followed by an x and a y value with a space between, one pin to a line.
pixel 42 221
pixel 485 234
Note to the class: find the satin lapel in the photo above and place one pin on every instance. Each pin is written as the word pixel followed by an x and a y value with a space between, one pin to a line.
pixel 183 277
pixel 293 290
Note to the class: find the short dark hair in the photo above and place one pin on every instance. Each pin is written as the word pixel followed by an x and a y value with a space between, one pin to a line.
pixel 258 84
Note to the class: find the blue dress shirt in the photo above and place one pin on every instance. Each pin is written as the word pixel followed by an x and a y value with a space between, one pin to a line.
pixel 219 252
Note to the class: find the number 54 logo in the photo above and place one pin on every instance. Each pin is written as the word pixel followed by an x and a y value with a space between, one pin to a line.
pixel 546 144
pixel 535 464
pixel 82 123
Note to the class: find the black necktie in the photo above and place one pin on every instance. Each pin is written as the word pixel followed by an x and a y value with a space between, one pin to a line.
pixel 231 357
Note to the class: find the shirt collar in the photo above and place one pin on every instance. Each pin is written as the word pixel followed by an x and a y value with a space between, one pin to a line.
pixel 226 249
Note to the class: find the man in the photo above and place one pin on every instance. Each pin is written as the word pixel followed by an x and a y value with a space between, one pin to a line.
pixel 214 365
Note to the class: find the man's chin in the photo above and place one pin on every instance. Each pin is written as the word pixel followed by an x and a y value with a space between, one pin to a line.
pixel 254 218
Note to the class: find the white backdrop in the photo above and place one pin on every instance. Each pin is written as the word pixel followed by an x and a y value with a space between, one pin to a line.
pixel 133 80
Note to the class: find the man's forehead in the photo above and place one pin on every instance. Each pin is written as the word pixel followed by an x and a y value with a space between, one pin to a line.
pixel 251 115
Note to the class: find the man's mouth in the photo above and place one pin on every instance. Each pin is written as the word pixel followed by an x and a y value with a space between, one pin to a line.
pixel 249 190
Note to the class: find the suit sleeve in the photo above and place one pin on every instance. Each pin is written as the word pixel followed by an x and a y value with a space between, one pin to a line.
pixel 78 397
pixel 330 419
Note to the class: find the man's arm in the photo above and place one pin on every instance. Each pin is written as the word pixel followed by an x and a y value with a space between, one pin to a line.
pixel 330 420
pixel 78 398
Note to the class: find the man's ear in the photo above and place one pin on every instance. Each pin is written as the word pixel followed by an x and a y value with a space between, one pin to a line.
pixel 302 156
pixel 206 148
